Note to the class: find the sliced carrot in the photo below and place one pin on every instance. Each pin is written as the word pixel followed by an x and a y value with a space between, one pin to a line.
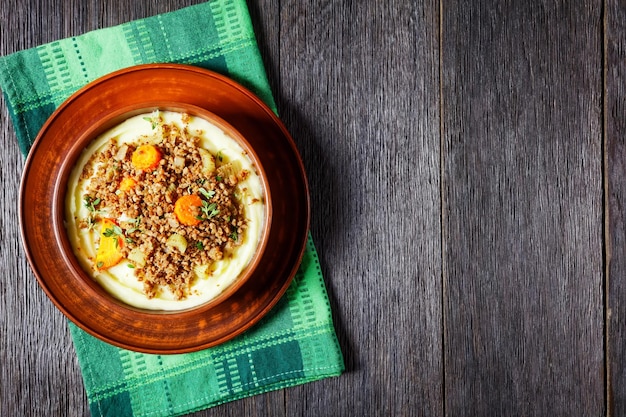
pixel 109 251
pixel 187 209
pixel 127 184
pixel 146 157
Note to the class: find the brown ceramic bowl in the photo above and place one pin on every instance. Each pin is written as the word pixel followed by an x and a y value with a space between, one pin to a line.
pixel 105 103
pixel 113 119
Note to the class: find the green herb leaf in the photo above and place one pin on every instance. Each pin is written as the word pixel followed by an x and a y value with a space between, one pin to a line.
pixel 207 194
pixel 91 203
pixel 199 245
pixel 209 210
pixel 100 264
pixel 112 231
pixel 151 120
pixel 135 222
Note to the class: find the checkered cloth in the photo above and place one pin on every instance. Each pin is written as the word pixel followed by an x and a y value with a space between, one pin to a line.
pixel 296 342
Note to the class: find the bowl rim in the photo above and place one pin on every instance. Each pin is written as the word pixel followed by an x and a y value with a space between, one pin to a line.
pixel 285 271
pixel 59 210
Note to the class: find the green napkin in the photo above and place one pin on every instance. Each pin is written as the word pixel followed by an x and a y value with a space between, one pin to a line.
pixel 296 342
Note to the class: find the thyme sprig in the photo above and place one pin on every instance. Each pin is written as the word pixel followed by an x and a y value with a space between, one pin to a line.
pixel 152 120
pixel 209 210
pixel 113 232
pixel 91 203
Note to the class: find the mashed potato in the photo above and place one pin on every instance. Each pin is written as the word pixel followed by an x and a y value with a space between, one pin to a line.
pixel 123 219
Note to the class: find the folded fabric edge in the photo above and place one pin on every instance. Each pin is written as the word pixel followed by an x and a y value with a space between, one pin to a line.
pixel 95 407
pixel 261 390
pixel 327 365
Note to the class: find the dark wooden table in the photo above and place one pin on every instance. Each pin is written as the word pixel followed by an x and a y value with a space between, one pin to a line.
pixel 466 162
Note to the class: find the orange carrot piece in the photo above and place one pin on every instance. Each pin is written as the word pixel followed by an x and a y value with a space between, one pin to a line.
pixel 146 157
pixel 187 209
pixel 127 184
pixel 109 251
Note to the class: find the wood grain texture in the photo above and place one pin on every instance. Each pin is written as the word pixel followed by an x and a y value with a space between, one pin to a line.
pixel 359 90
pixel 615 103
pixel 522 175
pixel 39 373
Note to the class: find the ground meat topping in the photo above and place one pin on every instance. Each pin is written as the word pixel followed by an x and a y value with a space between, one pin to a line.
pixel 163 246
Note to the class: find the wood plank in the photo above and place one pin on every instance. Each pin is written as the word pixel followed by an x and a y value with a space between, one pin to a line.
pixel 522 196
pixel 615 137
pixel 359 92
pixel 39 373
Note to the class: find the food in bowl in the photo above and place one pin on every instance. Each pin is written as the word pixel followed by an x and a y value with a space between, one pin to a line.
pixel 165 210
